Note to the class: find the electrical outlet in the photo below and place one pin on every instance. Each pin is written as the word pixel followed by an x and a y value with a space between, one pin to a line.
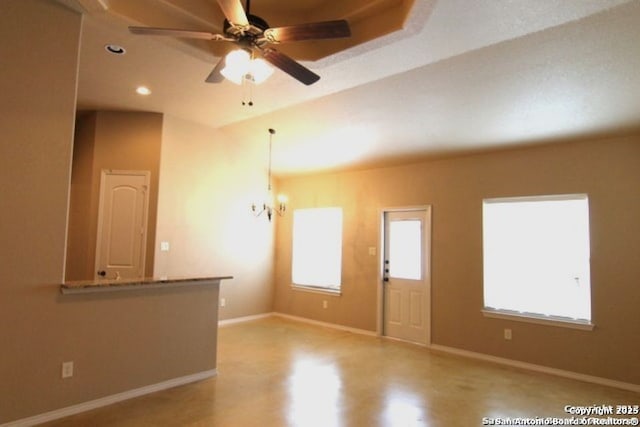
pixel 507 334
pixel 67 369
pixel 325 304
pixel 223 302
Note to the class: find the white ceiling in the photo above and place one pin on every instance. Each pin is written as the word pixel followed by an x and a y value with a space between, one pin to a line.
pixel 462 75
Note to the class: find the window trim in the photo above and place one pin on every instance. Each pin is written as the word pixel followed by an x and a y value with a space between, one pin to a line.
pixel 539 319
pixel 317 289
pixel 541 198
pixel 535 318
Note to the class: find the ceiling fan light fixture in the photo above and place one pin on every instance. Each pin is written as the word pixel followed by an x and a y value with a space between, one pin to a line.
pixel 259 70
pixel 239 65
pixel 236 65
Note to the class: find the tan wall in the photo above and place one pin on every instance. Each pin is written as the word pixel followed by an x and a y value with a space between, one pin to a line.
pixel 118 341
pixel 607 170
pixel 81 229
pixel 109 140
pixel 207 185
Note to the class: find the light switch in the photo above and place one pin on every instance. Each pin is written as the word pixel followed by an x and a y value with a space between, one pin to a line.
pixel 164 246
pixel 372 250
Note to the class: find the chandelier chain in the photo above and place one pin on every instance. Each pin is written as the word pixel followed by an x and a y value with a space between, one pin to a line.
pixel 271 132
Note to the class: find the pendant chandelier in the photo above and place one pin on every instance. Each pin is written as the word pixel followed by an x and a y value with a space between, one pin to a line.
pixel 268 206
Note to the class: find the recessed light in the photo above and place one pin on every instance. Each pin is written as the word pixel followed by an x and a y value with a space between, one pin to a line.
pixel 143 90
pixel 115 49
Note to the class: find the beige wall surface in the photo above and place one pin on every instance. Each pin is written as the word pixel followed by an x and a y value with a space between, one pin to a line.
pixel 118 342
pixel 109 140
pixel 607 170
pixel 207 185
pixel 81 227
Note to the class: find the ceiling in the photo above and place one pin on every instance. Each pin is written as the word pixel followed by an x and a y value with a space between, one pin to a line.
pixel 455 76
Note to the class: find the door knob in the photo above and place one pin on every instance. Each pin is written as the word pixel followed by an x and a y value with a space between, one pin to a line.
pixel 102 273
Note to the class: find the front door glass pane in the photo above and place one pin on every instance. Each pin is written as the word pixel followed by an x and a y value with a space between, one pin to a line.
pixel 405 249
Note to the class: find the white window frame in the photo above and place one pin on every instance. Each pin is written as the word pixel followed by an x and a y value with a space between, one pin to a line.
pixel 314 284
pixel 582 324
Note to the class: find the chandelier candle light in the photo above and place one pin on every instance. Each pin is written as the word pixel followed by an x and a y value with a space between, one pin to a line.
pixel 267 206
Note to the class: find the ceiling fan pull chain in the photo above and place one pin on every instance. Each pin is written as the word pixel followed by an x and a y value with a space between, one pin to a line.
pixel 247 87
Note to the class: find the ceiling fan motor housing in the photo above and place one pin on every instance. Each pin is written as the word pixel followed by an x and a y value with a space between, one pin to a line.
pixel 246 35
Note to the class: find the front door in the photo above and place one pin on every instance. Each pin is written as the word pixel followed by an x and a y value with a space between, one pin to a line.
pixel 122 224
pixel 406 278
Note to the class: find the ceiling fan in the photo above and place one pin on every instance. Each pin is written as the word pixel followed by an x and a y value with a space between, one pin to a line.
pixel 252 33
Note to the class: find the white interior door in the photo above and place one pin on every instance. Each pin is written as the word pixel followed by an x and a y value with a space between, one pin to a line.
pixel 122 224
pixel 406 275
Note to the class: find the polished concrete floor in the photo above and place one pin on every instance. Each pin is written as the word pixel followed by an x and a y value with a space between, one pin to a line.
pixel 278 372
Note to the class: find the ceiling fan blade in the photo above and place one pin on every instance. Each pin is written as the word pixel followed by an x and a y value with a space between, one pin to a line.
pixel 289 66
pixel 233 11
pixel 312 31
pixel 215 76
pixel 151 31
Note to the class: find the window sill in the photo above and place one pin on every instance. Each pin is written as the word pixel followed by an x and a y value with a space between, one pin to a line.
pixel 541 320
pixel 316 290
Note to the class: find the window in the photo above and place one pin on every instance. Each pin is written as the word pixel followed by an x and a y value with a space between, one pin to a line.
pixel 317 248
pixel 536 257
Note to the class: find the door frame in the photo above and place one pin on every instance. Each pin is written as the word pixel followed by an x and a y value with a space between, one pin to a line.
pixel 427 232
pixel 143 249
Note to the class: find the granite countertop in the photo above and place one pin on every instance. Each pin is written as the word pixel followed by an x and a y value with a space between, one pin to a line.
pixel 106 285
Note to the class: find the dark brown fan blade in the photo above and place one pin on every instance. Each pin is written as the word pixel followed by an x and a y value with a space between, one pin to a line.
pixel 234 12
pixel 215 76
pixel 312 31
pixel 289 66
pixel 151 31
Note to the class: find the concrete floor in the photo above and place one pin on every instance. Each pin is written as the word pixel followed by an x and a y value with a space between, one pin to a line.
pixel 279 372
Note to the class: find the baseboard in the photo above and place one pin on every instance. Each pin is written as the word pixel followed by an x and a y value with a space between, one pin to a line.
pixel 537 368
pixel 486 357
pixel 325 324
pixel 108 400
pixel 227 322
